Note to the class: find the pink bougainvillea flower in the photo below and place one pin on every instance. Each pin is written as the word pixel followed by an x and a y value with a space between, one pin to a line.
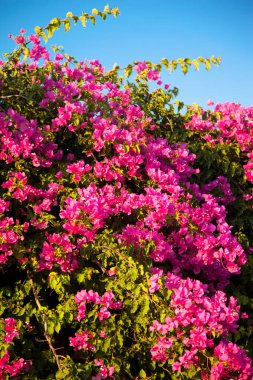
pixel 210 102
pixel 20 40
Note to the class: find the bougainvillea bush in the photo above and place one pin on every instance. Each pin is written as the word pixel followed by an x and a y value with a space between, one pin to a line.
pixel 125 224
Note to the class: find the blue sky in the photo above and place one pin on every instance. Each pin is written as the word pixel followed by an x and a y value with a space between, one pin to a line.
pixel 151 30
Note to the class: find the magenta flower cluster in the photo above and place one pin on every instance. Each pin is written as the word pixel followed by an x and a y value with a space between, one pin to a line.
pixel 8 366
pixel 199 319
pixel 182 223
pixel 232 123
pixel 83 297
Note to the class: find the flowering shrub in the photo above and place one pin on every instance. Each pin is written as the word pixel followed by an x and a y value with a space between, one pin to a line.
pixel 117 238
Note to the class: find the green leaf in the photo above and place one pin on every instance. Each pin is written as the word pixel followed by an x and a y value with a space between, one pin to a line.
pixel 107 344
pixel 50 326
pixel 57 327
pixel 188 61
pixel 93 20
pixel 75 18
pixel 119 338
pixel 145 306
pixel 49 31
pixel 174 65
pixel 142 374
pixel 134 306
pixel 43 35
pixel 56 22
pixel 128 71
pixel 126 148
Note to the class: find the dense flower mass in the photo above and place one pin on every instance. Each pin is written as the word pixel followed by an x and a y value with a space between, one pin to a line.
pixel 13 368
pixel 7 365
pixel 198 320
pixel 122 256
pixel 229 122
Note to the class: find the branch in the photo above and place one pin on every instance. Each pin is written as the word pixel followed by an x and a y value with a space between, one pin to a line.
pixel 96 262
pixel 46 334
pixel 7 96
pixel 11 96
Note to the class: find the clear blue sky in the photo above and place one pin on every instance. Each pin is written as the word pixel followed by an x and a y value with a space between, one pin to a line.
pixel 151 30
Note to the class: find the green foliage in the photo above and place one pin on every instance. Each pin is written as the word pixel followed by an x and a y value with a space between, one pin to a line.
pixel 48 31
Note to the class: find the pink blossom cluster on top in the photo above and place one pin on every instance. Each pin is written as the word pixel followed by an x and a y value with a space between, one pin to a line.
pixel 232 122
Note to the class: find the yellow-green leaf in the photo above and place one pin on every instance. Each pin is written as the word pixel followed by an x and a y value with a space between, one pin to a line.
pixel 165 62
pixel 26 53
pixel 94 11
pixel 66 25
pixel 188 61
pixel 115 11
pixel 128 71
pixel 49 31
pixel 207 64
pixel 83 20
pixel 184 68
pixel 43 35
pixel 56 22
pixel 196 64
pixel 93 20
pixel 37 30
pixel 69 15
